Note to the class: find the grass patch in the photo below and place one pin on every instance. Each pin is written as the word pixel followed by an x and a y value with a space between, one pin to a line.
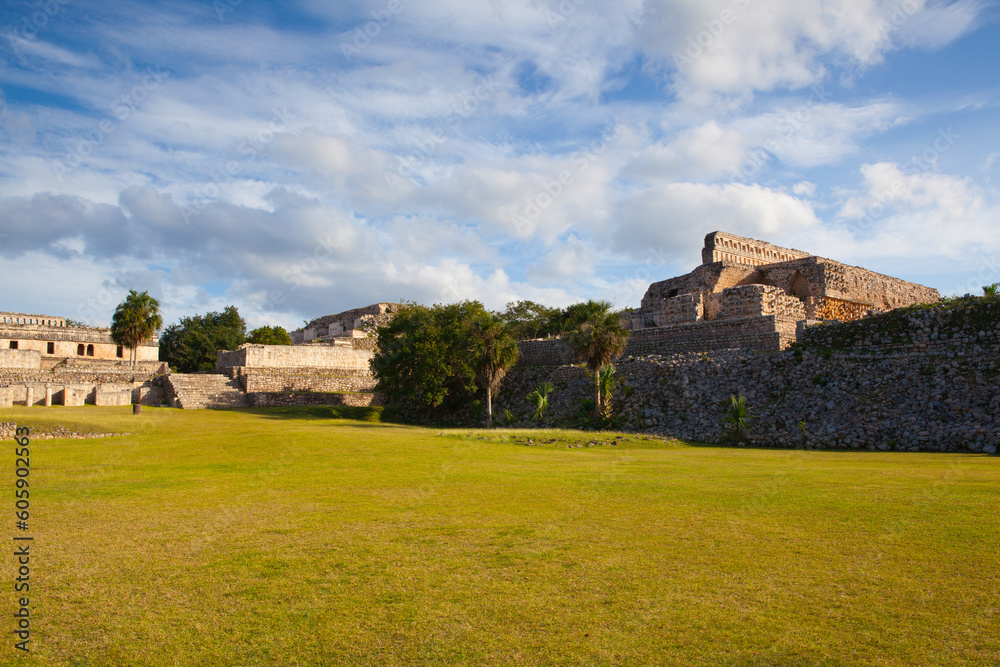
pixel 322 536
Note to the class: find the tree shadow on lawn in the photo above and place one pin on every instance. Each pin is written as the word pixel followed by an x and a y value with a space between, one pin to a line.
pixel 371 417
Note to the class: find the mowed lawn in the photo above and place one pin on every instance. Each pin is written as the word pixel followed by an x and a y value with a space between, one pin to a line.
pixel 288 537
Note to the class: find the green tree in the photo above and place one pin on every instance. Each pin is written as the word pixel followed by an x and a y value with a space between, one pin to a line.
pixel 425 354
pixel 494 352
pixel 268 335
pixel 991 290
pixel 191 344
pixel 527 319
pixel 135 320
pixel 597 339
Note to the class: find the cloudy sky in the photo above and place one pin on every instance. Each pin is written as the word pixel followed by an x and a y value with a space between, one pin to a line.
pixel 306 157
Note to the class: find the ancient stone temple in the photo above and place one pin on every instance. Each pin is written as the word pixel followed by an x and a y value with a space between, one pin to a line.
pixel 754 295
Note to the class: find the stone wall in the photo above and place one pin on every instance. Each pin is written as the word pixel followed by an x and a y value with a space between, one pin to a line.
pixel 544 352
pixel 269 380
pixel 20 359
pixel 149 392
pixel 285 399
pixel 758 300
pixel 295 356
pixel 764 334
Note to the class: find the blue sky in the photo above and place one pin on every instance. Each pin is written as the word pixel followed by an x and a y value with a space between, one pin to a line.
pixel 303 158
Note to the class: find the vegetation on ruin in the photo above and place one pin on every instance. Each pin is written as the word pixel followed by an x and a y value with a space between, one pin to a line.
pixel 191 344
pixel 135 320
pixel 287 536
pixel 895 327
pixel 539 398
pixel 268 335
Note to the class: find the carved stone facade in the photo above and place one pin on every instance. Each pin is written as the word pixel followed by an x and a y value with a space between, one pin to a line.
pixel 751 294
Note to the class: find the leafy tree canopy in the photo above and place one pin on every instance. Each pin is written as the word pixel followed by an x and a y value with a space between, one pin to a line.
pixel 267 335
pixel 527 319
pixel 426 354
pixel 191 344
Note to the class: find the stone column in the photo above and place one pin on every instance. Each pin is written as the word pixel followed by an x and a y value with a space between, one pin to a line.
pixel 29 399
pixel 48 396
pixel 6 397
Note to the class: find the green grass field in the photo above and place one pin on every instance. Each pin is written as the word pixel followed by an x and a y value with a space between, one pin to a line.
pixel 289 537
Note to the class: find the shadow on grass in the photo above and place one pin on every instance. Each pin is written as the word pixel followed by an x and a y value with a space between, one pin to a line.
pixel 371 416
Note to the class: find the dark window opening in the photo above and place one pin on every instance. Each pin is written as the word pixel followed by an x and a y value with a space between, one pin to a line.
pixel 79 349
pixel 13 344
pixel 90 350
pixel 121 352
pixel 50 348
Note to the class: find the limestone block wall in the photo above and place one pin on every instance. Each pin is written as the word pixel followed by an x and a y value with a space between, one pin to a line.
pixel 292 356
pixel 683 309
pixel 765 334
pixel 272 400
pixel 20 359
pixel 67 341
pixel 758 300
pixel 848 283
pixel 270 380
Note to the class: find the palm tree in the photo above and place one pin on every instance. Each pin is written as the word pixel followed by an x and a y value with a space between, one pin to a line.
pixel 135 320
pixel 540 398
pixel 598 340
pixel 991 290
pixel 494 353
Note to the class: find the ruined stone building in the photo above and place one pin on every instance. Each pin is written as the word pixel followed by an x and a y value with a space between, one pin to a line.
pixel 356 323
pixel 56 342
pixel 754 295
pixel 44 360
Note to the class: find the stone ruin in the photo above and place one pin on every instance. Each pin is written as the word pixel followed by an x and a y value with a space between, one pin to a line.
pixel 749 294
pixel 342 327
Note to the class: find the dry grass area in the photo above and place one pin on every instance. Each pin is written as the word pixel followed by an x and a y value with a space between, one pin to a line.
pixel 290 537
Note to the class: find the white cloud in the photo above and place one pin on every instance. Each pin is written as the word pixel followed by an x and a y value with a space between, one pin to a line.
pixel 674 218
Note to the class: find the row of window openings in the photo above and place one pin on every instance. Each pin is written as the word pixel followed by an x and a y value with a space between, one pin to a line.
pixel 81 349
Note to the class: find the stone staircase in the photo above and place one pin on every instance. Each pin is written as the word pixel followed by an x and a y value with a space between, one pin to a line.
pixel 205 390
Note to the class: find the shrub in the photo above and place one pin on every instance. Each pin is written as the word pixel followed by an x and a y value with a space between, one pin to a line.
pixel 540 399
pixel 736 418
